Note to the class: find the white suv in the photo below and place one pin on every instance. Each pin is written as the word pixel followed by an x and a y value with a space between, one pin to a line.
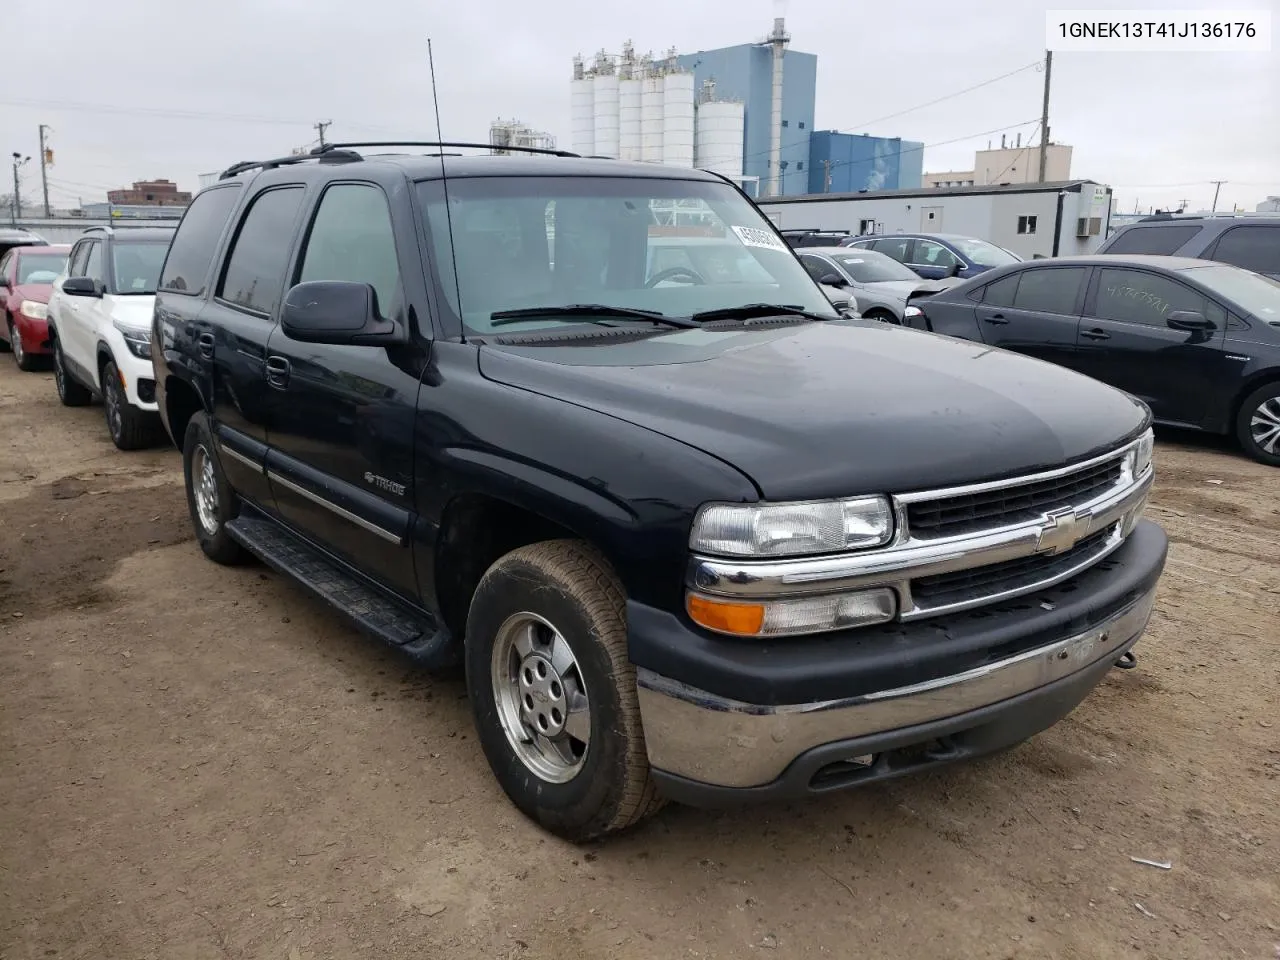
pixel 100 324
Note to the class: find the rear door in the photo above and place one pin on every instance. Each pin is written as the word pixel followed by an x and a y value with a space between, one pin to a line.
pixel 1125 340
pixel 1035 311
pixel 79 325
pixel 342 417
pixel 1253 247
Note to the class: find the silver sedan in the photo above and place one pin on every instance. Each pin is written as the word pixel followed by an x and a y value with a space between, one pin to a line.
pixel 882 287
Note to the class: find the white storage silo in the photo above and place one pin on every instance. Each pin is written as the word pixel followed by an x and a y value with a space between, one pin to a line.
pixel 677 119
pixel 719 137
pixel 629 96
pixel 606 114
pixel 651 96
pixel 582 116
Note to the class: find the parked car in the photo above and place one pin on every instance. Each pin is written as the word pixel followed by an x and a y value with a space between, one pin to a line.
pixel 27 273
pixel 1198 342
pixel 13 237
pixel 703 541
pixel 1251 241
pixel 100 323
pixel 936 256
pixel 881 287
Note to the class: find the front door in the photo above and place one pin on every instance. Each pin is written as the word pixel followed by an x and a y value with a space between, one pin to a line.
pixel 1125 340
pixel 342 417
pixel 1035 311
pixel 932 260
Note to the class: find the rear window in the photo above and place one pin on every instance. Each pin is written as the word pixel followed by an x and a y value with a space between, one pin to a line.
pixel 1254 248
pixel 196 241
pixel 1160 241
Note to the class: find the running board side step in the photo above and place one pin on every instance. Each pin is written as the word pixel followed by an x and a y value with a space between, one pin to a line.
pixel 371 611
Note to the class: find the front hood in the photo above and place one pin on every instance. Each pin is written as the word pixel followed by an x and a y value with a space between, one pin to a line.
pixel 838 407
pixel 903 289
pixel 39 292
pixel 133 310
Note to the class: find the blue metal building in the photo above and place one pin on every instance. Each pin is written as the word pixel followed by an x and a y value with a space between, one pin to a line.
pixel 858 162
pixel 745 72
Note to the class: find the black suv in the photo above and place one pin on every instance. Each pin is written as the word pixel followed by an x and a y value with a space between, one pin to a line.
pixel 1251 241
pixel 692 534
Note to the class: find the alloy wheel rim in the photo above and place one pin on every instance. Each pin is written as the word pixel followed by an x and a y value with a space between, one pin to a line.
pixel 58 373
pixel 541 697
pixel 205 483
pixel 114 418
pixel 1264 426
pixel 15 341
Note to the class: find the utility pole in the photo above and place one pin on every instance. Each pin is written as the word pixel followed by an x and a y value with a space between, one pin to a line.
pixel 18 161
pixel 321 127
pixel 1044 114
pixel 1182 205
pixel 826 176
pixel 1217 185
pixel 45 154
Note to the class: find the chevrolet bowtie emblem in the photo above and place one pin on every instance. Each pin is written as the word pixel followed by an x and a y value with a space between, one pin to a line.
pixel 1061 530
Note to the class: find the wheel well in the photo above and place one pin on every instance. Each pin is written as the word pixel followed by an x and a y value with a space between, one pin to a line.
pixel 181 403
pixel 104 355
pixel 880 312
pixel 476 531
pixel 1264 381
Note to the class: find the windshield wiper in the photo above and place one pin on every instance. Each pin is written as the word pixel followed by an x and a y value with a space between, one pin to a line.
pixel 586 313
pixel 750 310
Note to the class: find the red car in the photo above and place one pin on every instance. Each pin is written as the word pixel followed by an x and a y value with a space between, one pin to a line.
pixel 26 280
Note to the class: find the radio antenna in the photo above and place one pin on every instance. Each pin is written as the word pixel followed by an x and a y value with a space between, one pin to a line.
pixel 444 185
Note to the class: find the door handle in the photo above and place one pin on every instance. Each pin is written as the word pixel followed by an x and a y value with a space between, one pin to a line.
pixel 204 343
pixel 278 372
pixel 1095 334
pixel 996 318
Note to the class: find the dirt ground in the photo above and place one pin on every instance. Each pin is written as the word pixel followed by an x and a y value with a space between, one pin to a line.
pixel 198 762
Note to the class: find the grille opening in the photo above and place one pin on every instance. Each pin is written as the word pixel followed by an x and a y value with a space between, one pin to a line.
pixel 969 513
pixel 947 588
pixel 841 773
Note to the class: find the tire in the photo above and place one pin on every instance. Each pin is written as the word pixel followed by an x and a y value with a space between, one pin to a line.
pixel 25 361
pixel 221 504
pixel 883 316
pixel 1258 424
pixel 130 428
pixel 71 392
pixel 563 593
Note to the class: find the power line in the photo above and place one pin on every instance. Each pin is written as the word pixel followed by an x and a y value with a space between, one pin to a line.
pixel 82 106
pixel 1021 151
pixel 940 143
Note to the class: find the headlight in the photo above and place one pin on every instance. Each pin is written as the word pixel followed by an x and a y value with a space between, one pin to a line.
pixel 911 313
pixel 34 309
pixel 1140 456
pixel 137 339
pixel 792 529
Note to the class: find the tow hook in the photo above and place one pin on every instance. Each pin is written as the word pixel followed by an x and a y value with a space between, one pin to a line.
pixel 1128 661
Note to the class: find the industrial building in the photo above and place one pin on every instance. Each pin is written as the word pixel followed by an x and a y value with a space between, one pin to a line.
pixel 1032 220
pixel 1011 163
pixel 504 134
pixel 745 111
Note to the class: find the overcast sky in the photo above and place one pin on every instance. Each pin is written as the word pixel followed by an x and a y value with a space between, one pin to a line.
pixel 137 89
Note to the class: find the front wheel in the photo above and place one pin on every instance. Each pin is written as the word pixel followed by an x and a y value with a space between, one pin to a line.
pixel 130 428
pixel 553 691
pixel 1258 424
pixel 209 498
pixel 24 360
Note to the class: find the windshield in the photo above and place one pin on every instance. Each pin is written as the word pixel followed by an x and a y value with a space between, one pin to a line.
pixel 1257 294
pixel 982 253
pixel 867 266
pixel 137 265
pixel 40 267
pixel 675 247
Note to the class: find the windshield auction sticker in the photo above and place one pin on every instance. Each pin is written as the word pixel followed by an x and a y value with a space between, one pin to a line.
pixel 755 237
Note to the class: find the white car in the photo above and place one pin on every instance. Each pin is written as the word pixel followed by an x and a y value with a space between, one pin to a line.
pixel 100 325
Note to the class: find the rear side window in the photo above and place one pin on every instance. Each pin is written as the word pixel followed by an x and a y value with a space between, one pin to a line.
pixel 1161 241
pixel 894 248
pixel 1253 248
pixel 1049 290
pixel 255 269
pixel 196 241
pixel 1001 293
pixel 352 239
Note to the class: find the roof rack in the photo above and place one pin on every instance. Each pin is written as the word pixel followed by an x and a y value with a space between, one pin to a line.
pixel 330 147
pixel 327 156
pixel 110 229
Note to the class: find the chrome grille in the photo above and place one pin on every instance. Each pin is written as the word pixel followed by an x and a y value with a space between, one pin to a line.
pixel 966 513
pixel 1012 576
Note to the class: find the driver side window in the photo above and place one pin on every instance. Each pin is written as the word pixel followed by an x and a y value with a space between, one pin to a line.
pixel 817 268
pixel 927 253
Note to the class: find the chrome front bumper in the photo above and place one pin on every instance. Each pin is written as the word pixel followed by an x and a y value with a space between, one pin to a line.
pixel 724 743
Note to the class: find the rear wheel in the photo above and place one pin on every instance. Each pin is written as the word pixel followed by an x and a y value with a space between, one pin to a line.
pixel 130 428
pixel 71 392
pixel 24 360
pixel 1258 424
pixel 553 691
pixel 210 499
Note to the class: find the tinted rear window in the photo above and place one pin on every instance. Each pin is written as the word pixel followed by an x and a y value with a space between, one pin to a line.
pixel 1254 248
pixel 1161 241
pixel 196 241
pixel 1049 290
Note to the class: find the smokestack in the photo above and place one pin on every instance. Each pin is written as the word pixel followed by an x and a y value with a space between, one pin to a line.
pixel 1002 143
pixel 778 41
pixel 1019 141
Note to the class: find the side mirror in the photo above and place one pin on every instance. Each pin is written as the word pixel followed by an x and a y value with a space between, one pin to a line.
pixel 336 312
pixel 834 280
pixel 81 287
pixel 1192 321
pixel 954 271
